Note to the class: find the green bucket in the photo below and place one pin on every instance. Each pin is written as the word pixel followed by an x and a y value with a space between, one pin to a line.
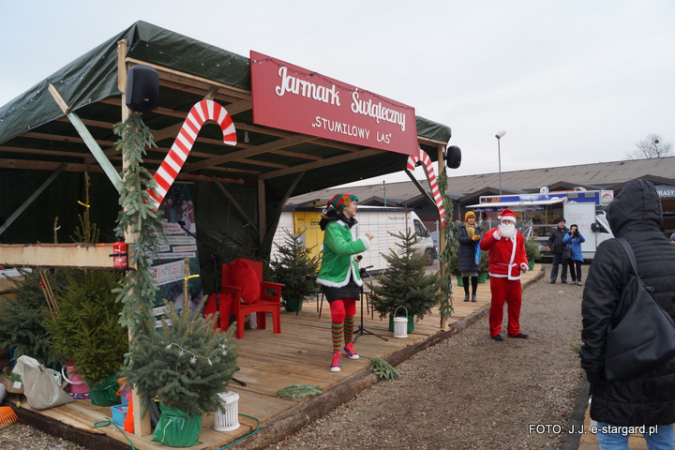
pixel 175 429
pixel 104 393
pixel 482 277
pixel 293 305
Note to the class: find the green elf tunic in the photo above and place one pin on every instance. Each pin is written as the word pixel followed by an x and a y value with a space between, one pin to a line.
pixel 339 273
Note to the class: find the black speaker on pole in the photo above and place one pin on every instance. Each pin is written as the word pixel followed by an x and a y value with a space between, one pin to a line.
pixel 142 88
pixel 453 157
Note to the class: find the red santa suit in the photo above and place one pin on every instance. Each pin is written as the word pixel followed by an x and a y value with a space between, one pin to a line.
pixel 506 259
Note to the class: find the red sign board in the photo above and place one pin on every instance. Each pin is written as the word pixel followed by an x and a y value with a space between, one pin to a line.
pixel 291 98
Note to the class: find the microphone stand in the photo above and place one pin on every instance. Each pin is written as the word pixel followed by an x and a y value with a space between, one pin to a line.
pixel 215 258
pixel 360 330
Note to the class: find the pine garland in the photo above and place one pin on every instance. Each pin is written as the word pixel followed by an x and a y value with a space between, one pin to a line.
pixel 383 369
pixel 137 292
pixel 449 253
pixel 299 391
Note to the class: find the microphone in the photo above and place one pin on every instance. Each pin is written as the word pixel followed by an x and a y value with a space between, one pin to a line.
pixel 181 223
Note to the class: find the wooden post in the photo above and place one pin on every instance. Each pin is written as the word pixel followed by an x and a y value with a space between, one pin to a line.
pixel 262 215
pixel 142 426
pixel 448 218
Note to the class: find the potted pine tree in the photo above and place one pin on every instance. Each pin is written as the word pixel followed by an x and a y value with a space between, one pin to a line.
pixel 87 329
pixel 532 252
pixel 296 269
pixel 184 364
pixel 484 267
pixel 406 284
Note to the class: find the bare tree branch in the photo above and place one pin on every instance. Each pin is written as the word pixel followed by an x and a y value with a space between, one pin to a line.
pixel 652 146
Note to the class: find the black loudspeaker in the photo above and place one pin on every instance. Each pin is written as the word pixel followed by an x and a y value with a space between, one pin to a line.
pixel 142 88
pixel 453 157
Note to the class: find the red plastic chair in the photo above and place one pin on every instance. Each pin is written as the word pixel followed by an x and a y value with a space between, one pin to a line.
pixel 266 303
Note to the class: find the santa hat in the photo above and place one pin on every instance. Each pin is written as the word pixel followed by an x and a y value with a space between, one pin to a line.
pixel 507 214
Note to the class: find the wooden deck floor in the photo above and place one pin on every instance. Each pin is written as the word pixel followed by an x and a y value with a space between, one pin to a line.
pixel 301 354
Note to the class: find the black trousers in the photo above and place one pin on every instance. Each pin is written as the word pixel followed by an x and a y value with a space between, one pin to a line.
pixel 474 285
pixel 557 260
pixel 575 269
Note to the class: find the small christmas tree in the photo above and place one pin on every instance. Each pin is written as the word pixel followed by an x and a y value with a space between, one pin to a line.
pixel 295 268
pixel 22 317
pixel 186 363
pixel 87 327
pixel 406 283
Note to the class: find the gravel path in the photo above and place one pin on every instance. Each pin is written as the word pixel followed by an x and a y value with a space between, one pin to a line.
pixel 470 392
pixel 18 436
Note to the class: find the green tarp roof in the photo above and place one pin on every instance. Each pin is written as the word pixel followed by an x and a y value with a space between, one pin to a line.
pixel 36 139
pixel 93 77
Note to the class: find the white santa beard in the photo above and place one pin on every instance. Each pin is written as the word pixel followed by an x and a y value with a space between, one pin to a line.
pixel 507 230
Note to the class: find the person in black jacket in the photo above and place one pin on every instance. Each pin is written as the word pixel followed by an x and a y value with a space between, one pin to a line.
pixel 648 399
pixel 468 238
pixel 555 243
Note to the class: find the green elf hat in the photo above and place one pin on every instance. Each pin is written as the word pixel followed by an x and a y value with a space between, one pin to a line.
pixel 341 200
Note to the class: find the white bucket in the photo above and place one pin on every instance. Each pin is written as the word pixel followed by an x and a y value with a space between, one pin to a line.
pixel 401 324
pixel 228 420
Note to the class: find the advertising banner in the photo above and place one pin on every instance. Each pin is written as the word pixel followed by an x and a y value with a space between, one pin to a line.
pixel 168 268
pixel 291 98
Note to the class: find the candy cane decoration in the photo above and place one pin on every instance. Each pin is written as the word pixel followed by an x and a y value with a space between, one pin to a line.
pixel 200 113
pixel 431 177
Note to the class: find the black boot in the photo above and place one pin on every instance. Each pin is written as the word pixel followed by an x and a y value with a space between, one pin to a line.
pixel 465 282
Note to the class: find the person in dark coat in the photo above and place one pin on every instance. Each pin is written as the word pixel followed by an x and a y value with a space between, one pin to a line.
pixel 555 243
pixel 648 399
pixel 468 238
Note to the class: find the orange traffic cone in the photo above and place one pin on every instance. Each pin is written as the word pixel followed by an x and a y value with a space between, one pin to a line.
pixel 129 419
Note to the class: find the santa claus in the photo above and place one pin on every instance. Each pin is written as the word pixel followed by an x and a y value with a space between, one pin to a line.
pixel 507 260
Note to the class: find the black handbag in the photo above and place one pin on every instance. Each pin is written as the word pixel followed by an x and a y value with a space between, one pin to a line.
pixel 567 253
pixel 641 335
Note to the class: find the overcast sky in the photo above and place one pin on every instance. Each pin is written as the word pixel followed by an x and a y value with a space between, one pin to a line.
pixel 570 81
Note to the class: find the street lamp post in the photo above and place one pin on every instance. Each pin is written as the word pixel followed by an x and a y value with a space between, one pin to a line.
pixel 499 136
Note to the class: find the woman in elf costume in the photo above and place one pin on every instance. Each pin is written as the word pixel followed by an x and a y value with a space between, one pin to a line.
pixel 339 275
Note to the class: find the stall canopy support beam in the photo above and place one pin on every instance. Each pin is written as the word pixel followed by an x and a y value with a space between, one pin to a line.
pixel 234 203
pixel 417 184
pixel 88 139
pixel 32 198
pixel 274 218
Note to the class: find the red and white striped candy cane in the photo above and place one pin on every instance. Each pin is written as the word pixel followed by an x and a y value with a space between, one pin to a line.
pixel 200 113
pixel 431 177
